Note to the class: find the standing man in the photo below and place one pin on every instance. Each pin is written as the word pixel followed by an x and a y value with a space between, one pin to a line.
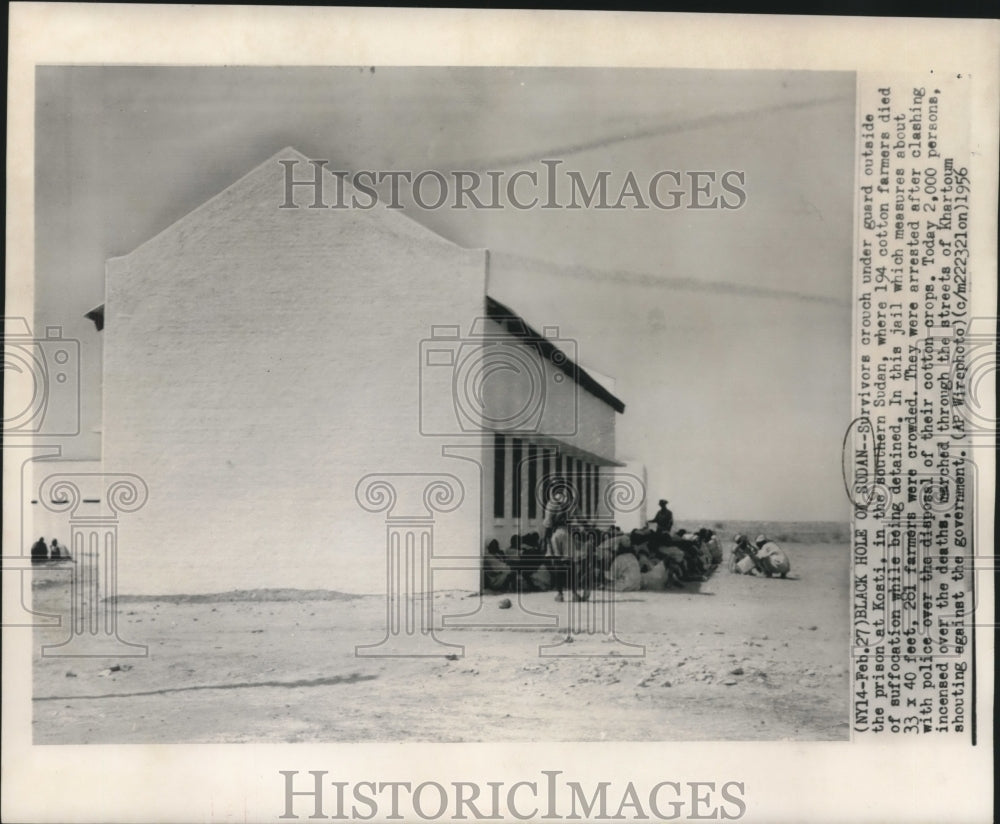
pixel 664 519
pixel 663 538
pixel 553 516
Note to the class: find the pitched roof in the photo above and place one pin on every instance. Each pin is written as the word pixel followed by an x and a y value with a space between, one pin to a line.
pixel 517 326
pixel 397 218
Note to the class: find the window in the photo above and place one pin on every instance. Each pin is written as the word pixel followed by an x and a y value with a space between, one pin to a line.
pixel 575 467
pixel 517 468
pixel 597 490
pixel 588 480
pixel 532 481
pixel 550 471
pixel 499 473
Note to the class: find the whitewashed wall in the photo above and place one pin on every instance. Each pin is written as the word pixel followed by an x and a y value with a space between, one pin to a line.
pixel 258 362
pixel 631 510
pixel 567 411
pixel 566 417
pixel 40 520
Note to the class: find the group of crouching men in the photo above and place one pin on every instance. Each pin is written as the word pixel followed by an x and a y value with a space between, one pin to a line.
pixel 653 557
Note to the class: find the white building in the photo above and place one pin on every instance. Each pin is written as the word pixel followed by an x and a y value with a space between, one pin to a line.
pixel 260 361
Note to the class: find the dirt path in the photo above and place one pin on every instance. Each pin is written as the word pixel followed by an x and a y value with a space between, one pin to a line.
pixel 735 658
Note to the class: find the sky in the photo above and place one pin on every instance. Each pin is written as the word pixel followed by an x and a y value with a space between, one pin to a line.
pixel 727 332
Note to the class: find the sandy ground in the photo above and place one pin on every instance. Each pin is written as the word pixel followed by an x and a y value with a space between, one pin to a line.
pixel 735 658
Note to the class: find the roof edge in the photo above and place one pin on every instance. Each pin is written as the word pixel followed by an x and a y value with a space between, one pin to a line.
pixel 291 153
pixel 97 316
pixel 519 328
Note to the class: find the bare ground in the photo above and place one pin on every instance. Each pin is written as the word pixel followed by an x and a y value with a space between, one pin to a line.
pixel 735 658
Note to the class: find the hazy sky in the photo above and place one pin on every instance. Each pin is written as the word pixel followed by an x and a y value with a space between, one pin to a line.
pixel 727 331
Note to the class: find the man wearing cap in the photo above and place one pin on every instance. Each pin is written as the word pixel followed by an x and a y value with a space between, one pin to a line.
pixel 662 542
pixel 664 519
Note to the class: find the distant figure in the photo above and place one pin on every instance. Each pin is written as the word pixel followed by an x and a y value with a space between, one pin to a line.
pixel 532 554
pixel 625 574
pixel 39 551
pixel 771 559
pixel 650 549
pixel 761 556
pixel 497 574
pixel 662 539
pixel 59 552
pixel 553 517
pixel 664 519
pixel 614 543
pixel 560 547
pixel 709 539
pixel 744 558
pixel 696 561
pixel 535 574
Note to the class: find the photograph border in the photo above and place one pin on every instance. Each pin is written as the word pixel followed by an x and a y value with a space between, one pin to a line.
pixel 892 779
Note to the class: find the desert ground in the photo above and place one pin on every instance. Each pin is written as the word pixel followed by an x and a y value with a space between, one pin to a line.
pixel 733 658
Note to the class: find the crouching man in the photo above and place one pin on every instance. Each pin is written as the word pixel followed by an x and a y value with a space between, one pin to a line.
pixel 771 558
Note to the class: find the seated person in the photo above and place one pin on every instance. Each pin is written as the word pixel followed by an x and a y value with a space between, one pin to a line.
pixel 771 558
pixel 528 561
pixel 745 549
pixel 39 551
pixel 692 556
pixel 497 574
pixel 709 539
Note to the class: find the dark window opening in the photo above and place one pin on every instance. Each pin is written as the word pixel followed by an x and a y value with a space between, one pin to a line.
pixel 532 481
pixel 597 490
pixel 581 488
pixel 515 485
pixel 588 480
pixel 499 471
